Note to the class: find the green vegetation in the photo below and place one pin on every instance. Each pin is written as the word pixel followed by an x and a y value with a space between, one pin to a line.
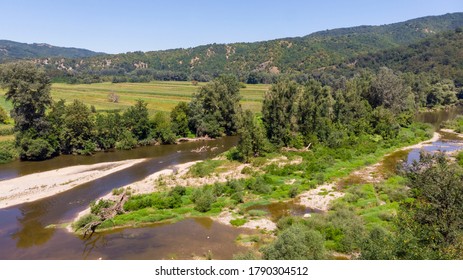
pixel 15 50
pixel 46 129
pixel 8 151
pixel 204 168
pixel 455 124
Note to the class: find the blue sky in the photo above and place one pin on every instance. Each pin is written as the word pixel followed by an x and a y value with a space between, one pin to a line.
pixel 122 26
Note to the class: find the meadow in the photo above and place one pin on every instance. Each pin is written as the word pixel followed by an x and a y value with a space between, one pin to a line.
pixel 160 95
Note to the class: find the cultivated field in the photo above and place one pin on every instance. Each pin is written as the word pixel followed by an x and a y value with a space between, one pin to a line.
pixel 160 96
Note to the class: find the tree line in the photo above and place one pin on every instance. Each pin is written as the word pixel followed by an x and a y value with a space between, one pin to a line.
pixel 294 114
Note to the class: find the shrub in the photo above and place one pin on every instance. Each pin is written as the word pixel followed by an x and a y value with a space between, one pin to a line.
pixel 8 151
pixel 293 192
pixel 238 197
pixel 126 141
pixel 261 185
pixel 257 213
pixel 203 200
pixel 95 208
pixel 238 222
pixel 297 242
pixel 35 149
pixel 179 190
pixel 83 221
pixel 3 116
pixel 205 168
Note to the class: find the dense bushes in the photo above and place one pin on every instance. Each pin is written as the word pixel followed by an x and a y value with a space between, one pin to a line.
pixel 8 151
pixel 296 243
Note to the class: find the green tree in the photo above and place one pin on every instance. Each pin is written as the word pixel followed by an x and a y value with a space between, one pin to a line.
pixel 137 121
pixel 108 129
pixel 252 141
pixel 442 93
pixel 384 123
pixel 179 119
pixel 279 112
pixel 215 109
pixel 430 226
pixel 77 134
pixel 162 130
pixel 390 91
pixel 28 88
pixel 351 110
pixel 316 111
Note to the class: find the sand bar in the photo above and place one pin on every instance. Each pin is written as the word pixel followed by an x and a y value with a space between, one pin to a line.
pixel 44 184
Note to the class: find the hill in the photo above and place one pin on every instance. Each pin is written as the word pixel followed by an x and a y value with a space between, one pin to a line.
pixel 258 62
pixel 10 50
pixel 439 55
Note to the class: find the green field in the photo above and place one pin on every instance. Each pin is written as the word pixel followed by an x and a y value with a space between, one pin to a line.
pixel 160 96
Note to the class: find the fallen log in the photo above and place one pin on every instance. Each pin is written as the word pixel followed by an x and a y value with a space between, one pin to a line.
pixel 106 214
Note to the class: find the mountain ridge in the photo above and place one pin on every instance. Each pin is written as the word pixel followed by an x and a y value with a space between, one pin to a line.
pixel 11 50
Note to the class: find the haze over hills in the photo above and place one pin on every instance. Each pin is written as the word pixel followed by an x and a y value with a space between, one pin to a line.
pixel 10 50
pixel 262 60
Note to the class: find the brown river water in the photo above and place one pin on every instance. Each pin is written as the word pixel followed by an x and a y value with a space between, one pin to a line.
pixel 24 233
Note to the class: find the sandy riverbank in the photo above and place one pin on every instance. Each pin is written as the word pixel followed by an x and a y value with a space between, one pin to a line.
pixel 44 184
pixel 147 185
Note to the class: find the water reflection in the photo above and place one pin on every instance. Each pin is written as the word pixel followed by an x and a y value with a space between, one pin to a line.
pixel 277 210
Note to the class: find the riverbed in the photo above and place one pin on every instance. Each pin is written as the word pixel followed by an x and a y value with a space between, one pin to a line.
pixel 25 231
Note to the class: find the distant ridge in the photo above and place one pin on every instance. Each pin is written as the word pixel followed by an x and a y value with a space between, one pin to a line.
pixel 10 50
pixel 258 61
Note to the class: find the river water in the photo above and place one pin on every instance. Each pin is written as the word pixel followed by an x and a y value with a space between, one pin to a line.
pixel 24 233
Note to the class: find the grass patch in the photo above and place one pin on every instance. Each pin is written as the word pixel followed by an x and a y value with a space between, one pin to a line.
pixel 205 168
pixel 238 222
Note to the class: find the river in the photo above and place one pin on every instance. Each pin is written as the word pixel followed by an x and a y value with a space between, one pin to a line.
pixel 24 231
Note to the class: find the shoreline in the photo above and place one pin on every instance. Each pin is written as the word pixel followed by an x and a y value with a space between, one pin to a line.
pixel 40 185
pixel 144 186
pixel 321 197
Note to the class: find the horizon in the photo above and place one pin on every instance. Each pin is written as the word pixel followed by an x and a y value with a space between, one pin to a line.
pixel 216 25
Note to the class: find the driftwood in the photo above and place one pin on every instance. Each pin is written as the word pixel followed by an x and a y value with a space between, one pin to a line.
pixel 185 139
pixel 200 150
pixel 106 214
pixel 286 149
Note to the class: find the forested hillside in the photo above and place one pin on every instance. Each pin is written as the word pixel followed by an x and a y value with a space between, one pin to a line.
pixel 10 50
pixel 439 55
pixel 256 62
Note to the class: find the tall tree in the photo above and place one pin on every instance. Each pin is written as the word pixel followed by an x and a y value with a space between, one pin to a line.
pixel 78 129
pixel 28 88
pixel 252 141
pixel 179 119
pixel 316 111
pixel 279 112
pixel 390 91
pixel 215 109
pixel 137 121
